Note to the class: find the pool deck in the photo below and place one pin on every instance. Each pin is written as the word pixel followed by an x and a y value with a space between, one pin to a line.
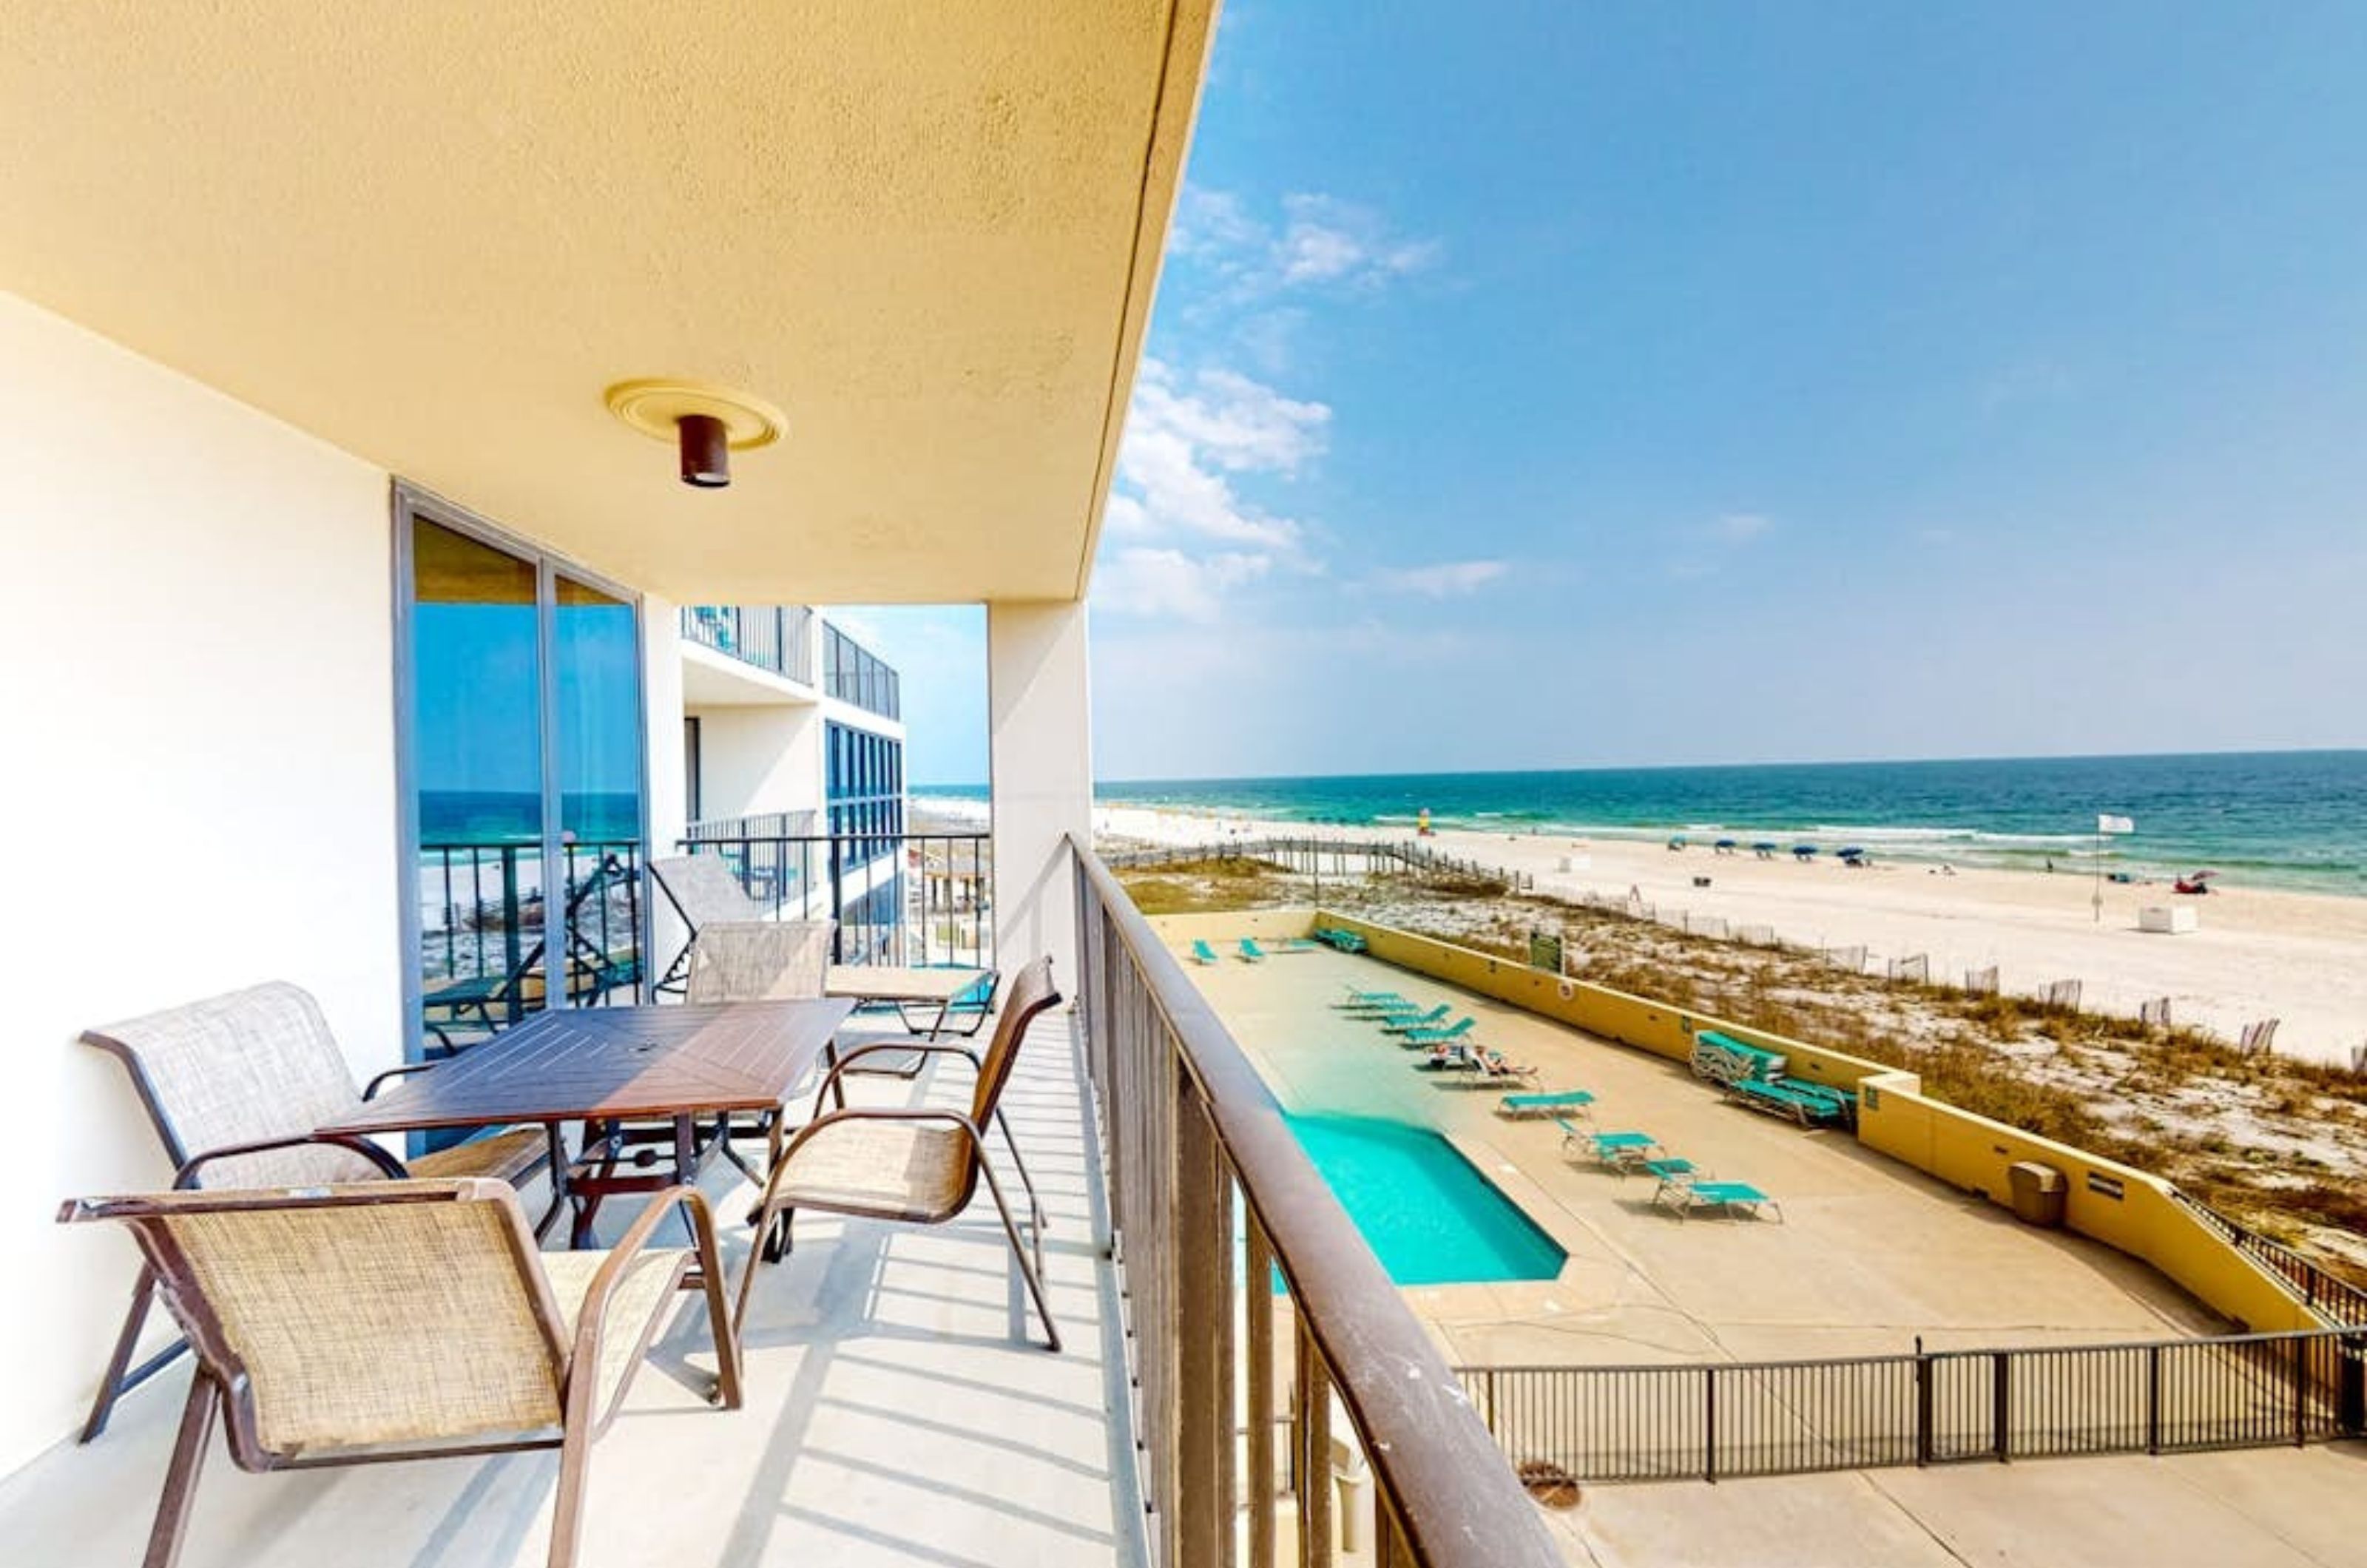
pixel 1870 1254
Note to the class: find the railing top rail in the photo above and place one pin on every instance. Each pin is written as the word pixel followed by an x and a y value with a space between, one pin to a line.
pixel 1458 1501
pixel 851 836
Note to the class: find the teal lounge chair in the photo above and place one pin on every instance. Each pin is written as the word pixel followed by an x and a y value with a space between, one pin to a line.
pixel 1250 952
pixel 1618 1149
pixel 1360 999
pixel 1403 1023
pixel 1295 944
pixel 1726 1197
pixel 1203 953
pixel 1672 1169
pixel 1547 1104
pixel 1461 1027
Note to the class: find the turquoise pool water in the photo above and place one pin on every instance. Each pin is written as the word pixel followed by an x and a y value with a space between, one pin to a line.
pixel 1433 1218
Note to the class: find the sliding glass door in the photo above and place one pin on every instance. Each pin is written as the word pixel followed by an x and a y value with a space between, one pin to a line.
pixel 520 691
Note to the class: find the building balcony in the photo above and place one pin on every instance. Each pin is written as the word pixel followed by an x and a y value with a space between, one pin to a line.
pixel 777 638
pixel 901 1407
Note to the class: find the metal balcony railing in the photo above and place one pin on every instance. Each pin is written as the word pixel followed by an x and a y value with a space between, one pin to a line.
pixel 898 898
pixel 776 637
pixel 1212 1201
pixel 853 673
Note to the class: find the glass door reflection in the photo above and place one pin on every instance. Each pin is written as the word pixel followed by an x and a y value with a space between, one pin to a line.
pixel 476 683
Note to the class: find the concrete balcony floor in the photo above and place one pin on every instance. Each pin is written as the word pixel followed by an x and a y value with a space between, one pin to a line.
pixel 902 1409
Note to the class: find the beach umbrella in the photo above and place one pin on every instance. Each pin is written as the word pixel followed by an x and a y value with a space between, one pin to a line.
pixel 1804 849
pixel 1724 844
pixel 1851 852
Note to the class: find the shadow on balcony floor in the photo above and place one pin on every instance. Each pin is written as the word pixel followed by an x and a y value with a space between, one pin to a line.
pixel 901 1409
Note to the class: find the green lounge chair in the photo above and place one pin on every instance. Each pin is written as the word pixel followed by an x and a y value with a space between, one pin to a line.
pixel 1356 999
pixel 1203 953
pixel 1672 1169
pixel 1406 1024
pixel 1456 1031
pixel 1250 952
pixel 1547 1104
pixel 1726 1197
pixel 1618 1149
pixel 1809 1105
pixel 1295 944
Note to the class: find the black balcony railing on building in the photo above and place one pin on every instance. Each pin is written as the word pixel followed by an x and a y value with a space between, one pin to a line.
pixel 1719 1420
pixel 757 825
pixel 778 638
pixel 898 898
pixel 853 673
pixel 1210 1200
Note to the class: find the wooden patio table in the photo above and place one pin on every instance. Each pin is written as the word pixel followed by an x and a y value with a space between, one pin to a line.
pixel 691 1065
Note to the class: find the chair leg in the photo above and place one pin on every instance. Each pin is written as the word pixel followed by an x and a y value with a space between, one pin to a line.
pixel 761 1251
pixel 181 1480
pixel 1033 1273
pixel 122 1377
pixel 718 1317
pixel 1041 1221
pixel 567 1510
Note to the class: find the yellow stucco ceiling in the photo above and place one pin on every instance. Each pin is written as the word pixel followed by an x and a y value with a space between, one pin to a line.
pixel 433 233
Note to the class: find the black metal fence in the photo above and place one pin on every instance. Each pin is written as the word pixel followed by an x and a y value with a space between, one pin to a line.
pixel 2337 1301
pixel 898 898
pixel 1719 1420
pixel 777 638
pixel 853 673
pixel 485 937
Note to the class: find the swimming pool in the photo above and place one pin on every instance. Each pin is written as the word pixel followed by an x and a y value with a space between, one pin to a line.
pixel 1432 1218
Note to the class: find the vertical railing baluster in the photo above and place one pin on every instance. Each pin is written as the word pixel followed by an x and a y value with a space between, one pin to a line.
pixel 1311 1433
pixel 1204 1314
pixel 1258 1288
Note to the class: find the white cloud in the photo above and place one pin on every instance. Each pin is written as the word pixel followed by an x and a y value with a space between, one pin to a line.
pixel 1157 583
pixel 1741 527
pixel 1315 241
pixel 1183 442
pixel 1444 580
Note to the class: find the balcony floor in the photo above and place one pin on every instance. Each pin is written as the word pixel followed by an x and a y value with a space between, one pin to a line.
pixel 902 1409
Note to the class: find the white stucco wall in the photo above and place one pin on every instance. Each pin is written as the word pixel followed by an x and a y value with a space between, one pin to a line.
pixel 758 759
pixel 1039 740
pixel 198 785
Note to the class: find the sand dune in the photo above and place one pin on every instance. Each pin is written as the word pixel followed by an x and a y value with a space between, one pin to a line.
pixel 2298 957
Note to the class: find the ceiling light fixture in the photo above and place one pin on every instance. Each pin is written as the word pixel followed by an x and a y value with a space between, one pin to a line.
pixel 704 424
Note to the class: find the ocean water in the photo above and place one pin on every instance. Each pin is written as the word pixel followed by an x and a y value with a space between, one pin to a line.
pixel 2287 819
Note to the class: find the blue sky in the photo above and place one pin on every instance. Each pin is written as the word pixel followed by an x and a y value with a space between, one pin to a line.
pixel 1539 386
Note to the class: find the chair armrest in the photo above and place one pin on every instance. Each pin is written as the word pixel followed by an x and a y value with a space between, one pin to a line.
pixel 591 1321
pixel 927 1048
pixel 390 1166
pixel 369 1091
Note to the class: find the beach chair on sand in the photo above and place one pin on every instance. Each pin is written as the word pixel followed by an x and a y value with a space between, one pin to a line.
pixel 1250 952
pixel 1203 953
pixel 1406 1024
pixel 1726 1197
pixel 1456 1031
pixel 1547 1104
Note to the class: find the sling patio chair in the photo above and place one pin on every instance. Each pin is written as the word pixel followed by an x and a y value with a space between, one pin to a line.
pixel 750 961
pixel 405 1319
pixel 234 1086
pixel 912 1165
pixel 703 892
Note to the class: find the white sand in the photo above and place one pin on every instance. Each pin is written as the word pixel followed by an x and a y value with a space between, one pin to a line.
pixel 2297 957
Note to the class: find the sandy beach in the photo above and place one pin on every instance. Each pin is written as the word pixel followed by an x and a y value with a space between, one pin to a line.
pixel 2297 957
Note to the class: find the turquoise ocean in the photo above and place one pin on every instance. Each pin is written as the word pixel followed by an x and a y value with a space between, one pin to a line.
pixel 2294 820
